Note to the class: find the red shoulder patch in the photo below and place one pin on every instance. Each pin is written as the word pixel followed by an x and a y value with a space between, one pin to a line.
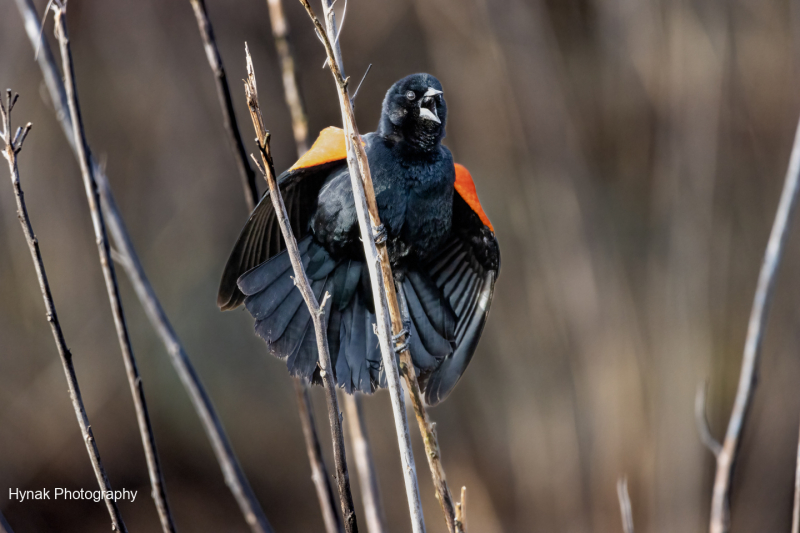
pixel 466 188
pixel 328 147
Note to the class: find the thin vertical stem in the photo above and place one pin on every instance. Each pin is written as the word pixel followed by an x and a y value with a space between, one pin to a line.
pixel 291 88
pixel 319 474
pixel 4 527
pixel 796 505
pixel 625 505
pixel 364 463
pixel 109 273
pixel 226 104
pixel 384 296
pixel 11 150
pixel 720 502
pixel 315 308
pixel 368 477
pixel 229 464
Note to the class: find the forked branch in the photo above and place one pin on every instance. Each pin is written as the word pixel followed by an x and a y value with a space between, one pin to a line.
pixel 388 307
pixel 377 261
pixel 221 445
pixel 13 145
pixel 315 308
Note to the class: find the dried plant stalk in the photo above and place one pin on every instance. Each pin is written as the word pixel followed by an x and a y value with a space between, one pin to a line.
pixel 12 148
pixel 315 308
pixel 377 259
pixel 319 473
pixel 720 502
pixel 221 445
pixel 109 274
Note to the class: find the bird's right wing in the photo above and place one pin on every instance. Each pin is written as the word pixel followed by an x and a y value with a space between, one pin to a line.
pixel 464 272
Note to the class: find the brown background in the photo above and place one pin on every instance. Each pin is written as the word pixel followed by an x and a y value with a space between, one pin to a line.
pixel 630 155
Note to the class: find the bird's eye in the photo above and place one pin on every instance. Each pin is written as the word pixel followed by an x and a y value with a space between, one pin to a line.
pixel 411 95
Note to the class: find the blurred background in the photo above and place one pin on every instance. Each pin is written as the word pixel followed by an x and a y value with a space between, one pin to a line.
pixel 630 155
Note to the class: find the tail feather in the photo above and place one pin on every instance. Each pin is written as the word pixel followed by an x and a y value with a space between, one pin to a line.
pixel 259 278
pixel 304 359
pixel 291 311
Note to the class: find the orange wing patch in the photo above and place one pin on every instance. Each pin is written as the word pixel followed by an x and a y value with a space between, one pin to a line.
pixel 466 188
pixel 328 147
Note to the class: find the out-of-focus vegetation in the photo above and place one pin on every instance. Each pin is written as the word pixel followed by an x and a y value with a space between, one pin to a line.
pixel 630 156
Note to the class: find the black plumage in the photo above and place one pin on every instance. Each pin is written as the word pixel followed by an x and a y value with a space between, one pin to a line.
pixel 445 256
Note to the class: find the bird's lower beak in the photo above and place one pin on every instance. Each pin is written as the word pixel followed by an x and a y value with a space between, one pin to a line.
pixel 427 105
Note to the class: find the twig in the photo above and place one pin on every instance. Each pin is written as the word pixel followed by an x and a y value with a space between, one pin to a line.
pixel 720 502
pixel 796 505
pixel 377 259
pixel 355 94
pixel 98 221
pixel 319 474
pixel 231 469
pixel 364 463
pixel 12 148
pixel 461 509
pixel 706 437
pixel 280 32
pixel 315 308
pixel 4 527
pixel 226 104
pixel 368 477
pixel 625 505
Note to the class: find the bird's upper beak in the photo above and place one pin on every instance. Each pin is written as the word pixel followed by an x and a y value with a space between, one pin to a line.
pixel 427 105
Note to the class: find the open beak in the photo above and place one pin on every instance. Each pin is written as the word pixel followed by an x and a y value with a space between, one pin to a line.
pixel 427 105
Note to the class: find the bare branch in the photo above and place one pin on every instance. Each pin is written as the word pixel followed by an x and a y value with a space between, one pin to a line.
pixel 319 474
pixel 280 32
pixel 461 509
pixel 10 153
pixel 364 463
pixel 226 104
pixel 389 325
pixel 231 469
pixel 368 477
pixel 4 527
pixel 720 502
pixel 701 421
pixel 796 505
pixel 314 308
pixel 625 505
pixel 355 94
pixel 109 273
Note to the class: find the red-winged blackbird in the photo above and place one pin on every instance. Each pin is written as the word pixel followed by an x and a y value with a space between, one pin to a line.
pixel 441 246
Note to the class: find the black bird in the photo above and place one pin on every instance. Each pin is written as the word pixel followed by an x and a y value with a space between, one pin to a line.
pixel 441 246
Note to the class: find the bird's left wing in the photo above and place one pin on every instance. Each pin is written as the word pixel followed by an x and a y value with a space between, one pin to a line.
pixel 261 237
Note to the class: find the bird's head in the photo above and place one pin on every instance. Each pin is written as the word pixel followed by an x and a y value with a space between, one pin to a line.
pixel 414 111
